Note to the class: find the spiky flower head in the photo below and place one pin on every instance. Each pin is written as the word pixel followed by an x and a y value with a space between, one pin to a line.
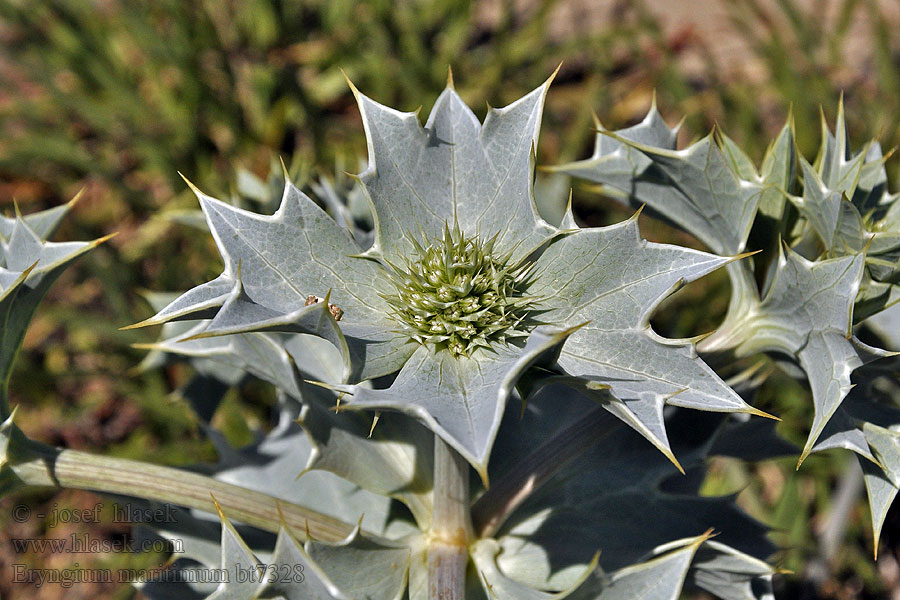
pixel 458 293
pixel 455 294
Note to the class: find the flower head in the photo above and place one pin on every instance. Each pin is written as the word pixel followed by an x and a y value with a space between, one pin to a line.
pixel 456 294
pixel 453 310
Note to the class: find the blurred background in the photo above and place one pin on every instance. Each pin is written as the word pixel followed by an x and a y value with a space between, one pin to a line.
pixel 119 96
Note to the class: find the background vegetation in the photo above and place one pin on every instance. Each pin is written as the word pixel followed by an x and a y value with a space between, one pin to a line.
pixel 118 96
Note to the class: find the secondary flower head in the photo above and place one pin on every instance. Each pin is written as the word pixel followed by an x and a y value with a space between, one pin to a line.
pixel 482 290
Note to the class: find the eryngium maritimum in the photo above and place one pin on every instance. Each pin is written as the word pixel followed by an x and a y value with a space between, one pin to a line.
pixel 464 286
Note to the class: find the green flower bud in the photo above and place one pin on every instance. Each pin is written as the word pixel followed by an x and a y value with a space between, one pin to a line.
pixel 469 297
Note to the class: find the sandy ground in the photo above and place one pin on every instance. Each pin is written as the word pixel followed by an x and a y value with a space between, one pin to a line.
pixel 710 22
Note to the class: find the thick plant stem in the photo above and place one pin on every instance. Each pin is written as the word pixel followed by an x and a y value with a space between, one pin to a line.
pixel 734 329
pixel 451 525
pixel 35 464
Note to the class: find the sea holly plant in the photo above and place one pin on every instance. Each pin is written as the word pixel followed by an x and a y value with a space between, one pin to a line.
pixel 449 286
pixel 29 264
pixel 473 398
pixel 827 238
